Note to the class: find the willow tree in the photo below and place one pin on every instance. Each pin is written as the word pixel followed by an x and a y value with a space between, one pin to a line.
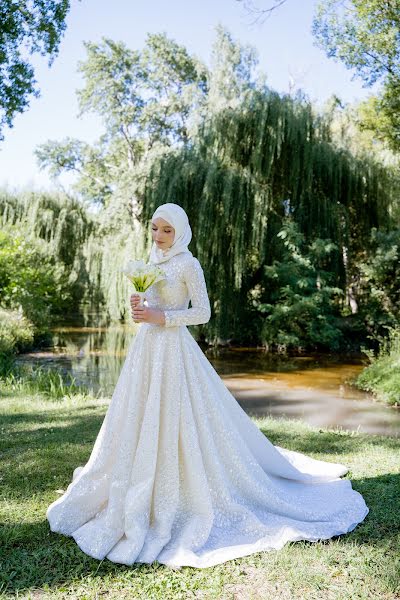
pixel 249 168
pixel 63 225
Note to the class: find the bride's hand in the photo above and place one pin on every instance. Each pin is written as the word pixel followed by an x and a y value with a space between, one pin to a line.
pixel 144 314
pixel 135 299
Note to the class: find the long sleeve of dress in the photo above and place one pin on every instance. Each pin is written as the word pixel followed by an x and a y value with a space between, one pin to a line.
pixel 200 310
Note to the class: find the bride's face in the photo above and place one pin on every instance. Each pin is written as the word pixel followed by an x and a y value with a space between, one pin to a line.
pixel 163 233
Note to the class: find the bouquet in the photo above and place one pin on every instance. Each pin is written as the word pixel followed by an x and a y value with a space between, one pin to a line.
pixel 142 276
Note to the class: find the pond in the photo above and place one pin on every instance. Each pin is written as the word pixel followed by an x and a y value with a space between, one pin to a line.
pixel 315 389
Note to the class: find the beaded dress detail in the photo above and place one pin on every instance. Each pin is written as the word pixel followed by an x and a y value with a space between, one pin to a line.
pixel 179 473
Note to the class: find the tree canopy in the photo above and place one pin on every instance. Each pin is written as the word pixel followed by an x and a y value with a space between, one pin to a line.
pixel 247 164
pixel 26 27
pixel 365 36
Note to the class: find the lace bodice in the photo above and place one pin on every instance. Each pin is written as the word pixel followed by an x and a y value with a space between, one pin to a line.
pixel 184 283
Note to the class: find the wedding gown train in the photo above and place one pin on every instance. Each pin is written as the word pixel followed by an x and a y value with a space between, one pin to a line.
pixel 179 473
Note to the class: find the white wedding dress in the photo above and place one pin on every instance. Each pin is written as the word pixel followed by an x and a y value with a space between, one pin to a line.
pixel 179 473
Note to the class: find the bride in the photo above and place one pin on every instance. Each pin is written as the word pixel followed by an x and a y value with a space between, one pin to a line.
pixel 179 473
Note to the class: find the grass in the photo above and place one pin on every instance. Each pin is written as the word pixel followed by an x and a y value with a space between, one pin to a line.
pixel 42 441
pixel 53 385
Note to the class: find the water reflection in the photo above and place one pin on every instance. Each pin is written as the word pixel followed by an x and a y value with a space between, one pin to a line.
pixel 316 389
pixel 92 355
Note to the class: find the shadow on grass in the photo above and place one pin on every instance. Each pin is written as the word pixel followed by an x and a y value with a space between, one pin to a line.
pixel 40 429
pixel 72 424
pixel 5 393
pixel 327 442
pixel 382 524
pixel 42 456
pixel 35 557
pixel 45 447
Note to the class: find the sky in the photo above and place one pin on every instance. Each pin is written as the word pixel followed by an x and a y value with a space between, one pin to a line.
pixel 284 42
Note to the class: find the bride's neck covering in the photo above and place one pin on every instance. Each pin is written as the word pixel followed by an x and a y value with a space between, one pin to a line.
pixel 175 216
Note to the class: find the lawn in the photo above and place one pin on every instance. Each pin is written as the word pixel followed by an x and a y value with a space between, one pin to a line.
pixel 42 441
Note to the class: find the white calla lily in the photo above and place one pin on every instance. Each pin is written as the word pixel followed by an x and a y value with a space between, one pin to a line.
pixel 142 275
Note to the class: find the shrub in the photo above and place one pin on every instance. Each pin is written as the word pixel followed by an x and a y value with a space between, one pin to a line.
pixel 299 298
pixel 382 375
pixel 30 279
pixel 16 335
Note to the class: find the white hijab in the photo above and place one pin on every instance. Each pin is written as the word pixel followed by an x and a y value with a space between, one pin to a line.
pixel 175 216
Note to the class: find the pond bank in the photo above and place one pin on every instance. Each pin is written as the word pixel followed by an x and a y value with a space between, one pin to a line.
pixel 317 407
pixel 315 389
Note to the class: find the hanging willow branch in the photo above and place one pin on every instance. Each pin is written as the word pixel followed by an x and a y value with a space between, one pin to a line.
pixel 247 170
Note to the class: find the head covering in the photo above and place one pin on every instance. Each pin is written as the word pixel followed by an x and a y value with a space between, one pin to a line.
pixel 175 216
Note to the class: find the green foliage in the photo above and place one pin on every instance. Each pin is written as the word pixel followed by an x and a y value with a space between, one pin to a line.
pixel 142 95
pixel 382 269
pixel 43 267
pixel 247 169
pixel 382 375
pixel 74 155
pixel 364 35
pixel 30 278
pixel 16 335
pixel 55 218
pixel 297 299
pixel 379 285
pixel 349 130
pixel 231 75
pixel 26 28
pixel 239 158
pixel 145 99
pixel 52 385
pixel 43 245
pixel 378 117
